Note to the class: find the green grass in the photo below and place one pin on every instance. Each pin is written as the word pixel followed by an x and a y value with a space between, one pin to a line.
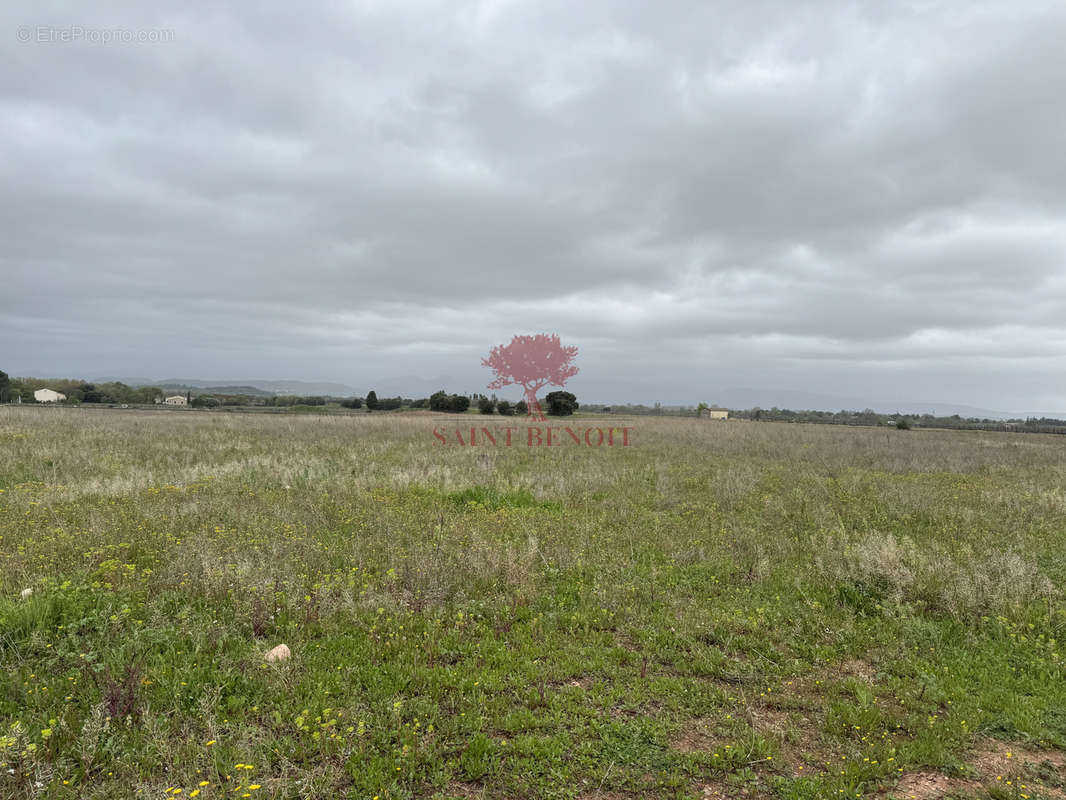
pixel 734 610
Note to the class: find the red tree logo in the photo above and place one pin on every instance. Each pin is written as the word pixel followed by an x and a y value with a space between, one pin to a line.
pixel 531 362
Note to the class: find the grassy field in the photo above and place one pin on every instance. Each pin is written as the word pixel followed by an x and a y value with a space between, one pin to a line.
pixel 719 610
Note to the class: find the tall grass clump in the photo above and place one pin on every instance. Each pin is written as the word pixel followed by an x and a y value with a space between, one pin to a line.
pixel 895 571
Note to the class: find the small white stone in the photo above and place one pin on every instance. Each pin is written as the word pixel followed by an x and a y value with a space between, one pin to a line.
pixel 279 653
pixel 26 593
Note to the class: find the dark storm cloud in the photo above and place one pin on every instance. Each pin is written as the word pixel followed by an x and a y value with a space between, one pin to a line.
pixel 768 193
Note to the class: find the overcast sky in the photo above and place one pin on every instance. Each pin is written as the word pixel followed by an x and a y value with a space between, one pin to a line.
pixel 859 198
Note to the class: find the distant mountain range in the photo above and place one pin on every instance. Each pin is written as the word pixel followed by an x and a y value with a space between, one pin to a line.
pixel 738 397
pixel 404 386
pixel 275 387
pixel 249 387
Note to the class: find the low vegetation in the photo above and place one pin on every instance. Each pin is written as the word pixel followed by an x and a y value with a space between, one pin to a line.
pixel 734 609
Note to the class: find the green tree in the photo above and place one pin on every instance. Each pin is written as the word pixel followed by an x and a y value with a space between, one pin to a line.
pixel 505 408
pixel 91 394
pixel 453 403
pixel 868 417
pixel 371 400
pixel 560 404
pixel 438 401
pixel 485 406
pixel 520 408
pixel 5 383
pixel 147 394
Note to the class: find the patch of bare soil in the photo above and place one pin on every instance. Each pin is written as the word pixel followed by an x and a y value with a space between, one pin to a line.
pixel 800 750
pixel 465 790
pixel 929 786
pixel 573 683
pixel 700 736
pixel 774 721
pixel 718 790
pixel 1028 771
pixel 859 668
pixel 994 758
pixel 812 689
pixel 800 745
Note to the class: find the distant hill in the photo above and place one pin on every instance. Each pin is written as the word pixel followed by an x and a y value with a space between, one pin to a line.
pixel 404 386
pixel 269 387
pixel 254 388
pixel 250 391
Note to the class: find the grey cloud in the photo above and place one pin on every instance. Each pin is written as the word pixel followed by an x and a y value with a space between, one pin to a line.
pixel 867 194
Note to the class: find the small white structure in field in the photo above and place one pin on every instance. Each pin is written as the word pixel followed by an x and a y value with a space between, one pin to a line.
pixel 48 396
pixel 715 413
pixel 176 400
pixel 27 593
pixel 279 653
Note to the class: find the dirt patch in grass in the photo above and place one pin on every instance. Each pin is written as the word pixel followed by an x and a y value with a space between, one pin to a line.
pixel 715 791
pixel 701 736
pixel 775 721
pixel 800 748
pixel 583 682
pixel 994 758
pixel 719 790
pixel 1034 772
pixel 860 669
pixel 930 786
pixel 465 790
pixel 812 690
pixel 791 715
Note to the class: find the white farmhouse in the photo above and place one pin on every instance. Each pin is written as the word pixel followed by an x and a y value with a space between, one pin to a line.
pixel 715 413
pixel 48 396
pixel 176 400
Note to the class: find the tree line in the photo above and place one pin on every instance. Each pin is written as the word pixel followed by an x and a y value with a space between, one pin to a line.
pixel 558 403
pixel 77 391
pixel 118 393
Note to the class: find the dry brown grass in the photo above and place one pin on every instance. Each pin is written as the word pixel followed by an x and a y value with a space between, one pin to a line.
pixel 958 581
